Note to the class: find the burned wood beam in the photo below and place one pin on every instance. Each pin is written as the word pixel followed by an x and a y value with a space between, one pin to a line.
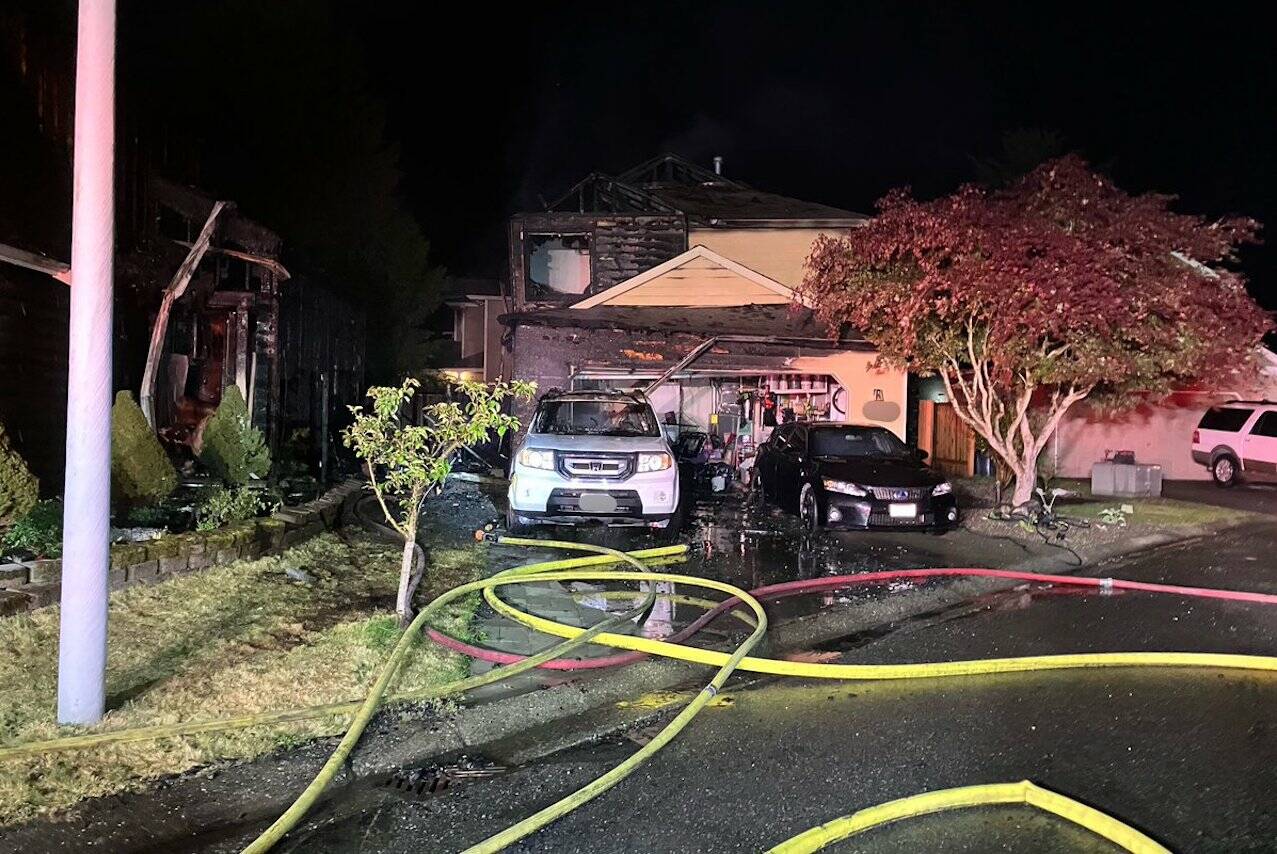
pixel 194 205
pixel 175 289
pixel 260 260
pixel 59 270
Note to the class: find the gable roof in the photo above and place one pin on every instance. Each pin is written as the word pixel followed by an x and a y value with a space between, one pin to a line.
pixel 764 290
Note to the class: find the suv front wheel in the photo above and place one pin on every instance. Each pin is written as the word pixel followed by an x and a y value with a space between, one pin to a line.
pixel 1224 470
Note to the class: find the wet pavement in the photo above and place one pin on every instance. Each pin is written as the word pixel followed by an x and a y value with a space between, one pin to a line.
pixel 1186 755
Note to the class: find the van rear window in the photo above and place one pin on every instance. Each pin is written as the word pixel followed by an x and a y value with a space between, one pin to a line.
pixel 1224 418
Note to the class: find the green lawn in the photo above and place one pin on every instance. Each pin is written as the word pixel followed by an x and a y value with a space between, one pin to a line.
pixel 1165 512
pixel 233 640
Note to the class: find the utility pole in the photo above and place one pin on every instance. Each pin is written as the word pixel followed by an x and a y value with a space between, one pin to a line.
pixel 86 523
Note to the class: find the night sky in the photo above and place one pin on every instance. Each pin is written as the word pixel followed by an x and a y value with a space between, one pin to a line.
pixel 834 103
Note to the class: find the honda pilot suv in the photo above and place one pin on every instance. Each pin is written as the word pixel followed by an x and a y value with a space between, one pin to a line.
pixel 594 456
pixel 1237 440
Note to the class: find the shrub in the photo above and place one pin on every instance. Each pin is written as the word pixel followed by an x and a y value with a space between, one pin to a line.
pixel 234 449
pixel 222 506
pixel 141 473
pixel 19 489
pixel 38 532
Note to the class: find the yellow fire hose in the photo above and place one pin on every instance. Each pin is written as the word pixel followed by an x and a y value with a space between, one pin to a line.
pixel 816 670
pixel 569 570
pixel 990 794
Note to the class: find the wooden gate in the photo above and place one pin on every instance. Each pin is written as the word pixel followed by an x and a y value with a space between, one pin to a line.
pixel 948 441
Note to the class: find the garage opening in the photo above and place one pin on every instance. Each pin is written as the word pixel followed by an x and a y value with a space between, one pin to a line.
pixel 716 420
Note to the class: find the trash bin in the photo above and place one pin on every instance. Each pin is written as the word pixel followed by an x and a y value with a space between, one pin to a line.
pixel 1126 480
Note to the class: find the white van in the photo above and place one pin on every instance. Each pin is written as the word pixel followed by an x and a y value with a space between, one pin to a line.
pixel 1238 440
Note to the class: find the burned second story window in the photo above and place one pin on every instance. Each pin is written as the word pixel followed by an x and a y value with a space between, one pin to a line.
pixel 558 264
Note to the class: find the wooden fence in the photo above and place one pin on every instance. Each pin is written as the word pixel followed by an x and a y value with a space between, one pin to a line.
pixel 948 441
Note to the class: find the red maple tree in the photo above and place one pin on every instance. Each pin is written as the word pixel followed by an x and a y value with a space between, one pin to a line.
pixel 1027 300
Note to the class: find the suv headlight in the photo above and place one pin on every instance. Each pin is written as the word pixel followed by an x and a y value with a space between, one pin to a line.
pixel 654 462
pixel 942 488
pixel 536 458
pixel 843 486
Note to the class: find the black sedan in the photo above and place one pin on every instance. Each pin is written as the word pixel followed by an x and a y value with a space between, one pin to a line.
pixel 844 475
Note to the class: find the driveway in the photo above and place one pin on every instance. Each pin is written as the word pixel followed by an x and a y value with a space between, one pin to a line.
pixel 1255 497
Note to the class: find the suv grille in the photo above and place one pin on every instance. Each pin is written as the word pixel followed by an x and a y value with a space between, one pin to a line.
pixel 628 502
pixel 588 466
pixel 898 493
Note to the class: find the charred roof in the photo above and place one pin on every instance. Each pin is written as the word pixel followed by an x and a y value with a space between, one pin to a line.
pixel 672 184
pixel 779 322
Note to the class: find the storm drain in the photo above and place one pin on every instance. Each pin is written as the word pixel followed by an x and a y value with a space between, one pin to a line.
pixel 432 780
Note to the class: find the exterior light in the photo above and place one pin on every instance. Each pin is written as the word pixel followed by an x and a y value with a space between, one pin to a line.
pixel 845 487
pixel 535 458
pixel 654 462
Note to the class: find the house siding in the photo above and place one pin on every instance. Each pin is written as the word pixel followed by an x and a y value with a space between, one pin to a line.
pixel 698 282
pixel 778 253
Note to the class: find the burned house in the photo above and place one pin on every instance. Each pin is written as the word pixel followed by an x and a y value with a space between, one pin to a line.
pixel 293 348
pixel 247 314
pixel 623 277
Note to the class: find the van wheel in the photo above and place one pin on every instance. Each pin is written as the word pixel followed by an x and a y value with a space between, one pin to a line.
pixel 1224 470
pixel 808 508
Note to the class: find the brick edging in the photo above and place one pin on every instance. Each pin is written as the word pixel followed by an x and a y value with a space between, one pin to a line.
pixel 38 583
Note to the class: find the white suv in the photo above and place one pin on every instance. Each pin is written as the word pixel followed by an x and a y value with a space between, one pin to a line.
pixel 1238 439
pixel 594 456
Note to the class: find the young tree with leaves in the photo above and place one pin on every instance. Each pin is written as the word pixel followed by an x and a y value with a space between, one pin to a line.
pixel 1026 300
pixel 405 462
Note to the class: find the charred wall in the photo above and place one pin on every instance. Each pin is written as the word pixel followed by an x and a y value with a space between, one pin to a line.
pixel 621 246
pixel 551 355
pixel 33 370
pixel 322 344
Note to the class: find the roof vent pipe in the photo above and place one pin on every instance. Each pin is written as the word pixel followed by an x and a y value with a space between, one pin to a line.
pixel 718 164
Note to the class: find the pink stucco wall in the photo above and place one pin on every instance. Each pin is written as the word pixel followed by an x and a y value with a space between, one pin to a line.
pixel 1158 433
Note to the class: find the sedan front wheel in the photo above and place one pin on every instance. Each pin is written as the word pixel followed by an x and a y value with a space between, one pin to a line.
pixel 808 508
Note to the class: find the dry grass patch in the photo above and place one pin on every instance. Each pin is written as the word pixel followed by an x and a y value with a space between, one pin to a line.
pixel 234 640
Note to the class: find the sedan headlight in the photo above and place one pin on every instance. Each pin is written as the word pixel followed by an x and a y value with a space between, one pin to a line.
pixel 654 462
pixel 536 458
pixel 942 488
pixel 843 486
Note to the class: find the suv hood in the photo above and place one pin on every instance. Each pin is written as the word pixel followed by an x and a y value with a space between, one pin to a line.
pixel 613 444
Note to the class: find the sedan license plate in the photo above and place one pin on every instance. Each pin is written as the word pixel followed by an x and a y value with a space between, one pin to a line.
pixel 597 502
pixel 902 511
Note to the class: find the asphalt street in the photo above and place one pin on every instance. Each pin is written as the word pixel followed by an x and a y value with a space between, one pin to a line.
pixel 1187 756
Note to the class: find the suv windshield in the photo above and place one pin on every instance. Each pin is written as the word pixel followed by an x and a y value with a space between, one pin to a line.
pixel 595 418
pixel 855 442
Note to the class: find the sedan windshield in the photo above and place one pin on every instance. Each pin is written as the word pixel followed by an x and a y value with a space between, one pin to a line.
pixel 856 442
pixel 595 418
